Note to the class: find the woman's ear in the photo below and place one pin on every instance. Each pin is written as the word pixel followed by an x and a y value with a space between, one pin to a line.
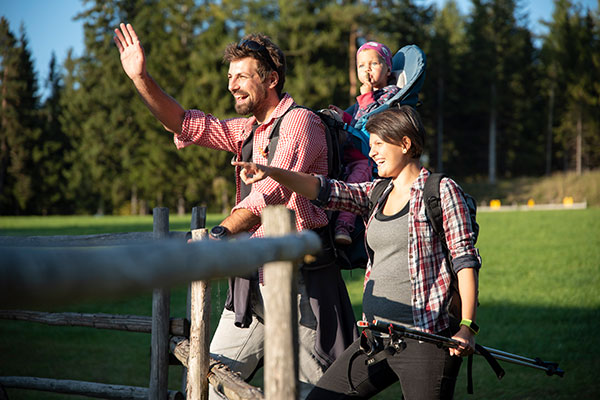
pixel 406 144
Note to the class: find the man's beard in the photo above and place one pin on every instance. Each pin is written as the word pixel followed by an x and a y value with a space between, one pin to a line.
pixel 245 109
pixel 251 106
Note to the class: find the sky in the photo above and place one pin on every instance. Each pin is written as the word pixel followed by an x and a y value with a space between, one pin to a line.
pixel 50 27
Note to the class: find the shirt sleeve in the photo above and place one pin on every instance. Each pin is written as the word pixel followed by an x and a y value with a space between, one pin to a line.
pixel 365 100
pixel 208 131
pixel 457 226
pixel 301 147
pixel 342 196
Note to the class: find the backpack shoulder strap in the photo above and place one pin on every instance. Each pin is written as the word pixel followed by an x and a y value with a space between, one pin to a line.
pixel 274 135
pixel 334 151
pixel 376 193
pixel 433 205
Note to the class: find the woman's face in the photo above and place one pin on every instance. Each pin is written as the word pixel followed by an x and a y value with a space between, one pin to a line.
pixel 389 158
pixel 371 68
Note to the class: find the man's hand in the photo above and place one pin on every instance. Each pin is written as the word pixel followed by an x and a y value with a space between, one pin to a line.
pixel 132 53
pixel 166 109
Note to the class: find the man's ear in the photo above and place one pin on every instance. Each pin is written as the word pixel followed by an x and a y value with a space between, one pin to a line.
pixel 273 79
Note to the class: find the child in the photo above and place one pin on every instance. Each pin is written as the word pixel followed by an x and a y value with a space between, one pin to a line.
pixel 374 70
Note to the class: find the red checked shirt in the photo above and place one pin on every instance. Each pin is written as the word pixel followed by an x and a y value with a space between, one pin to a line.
pixel 429 271
pixel 302 147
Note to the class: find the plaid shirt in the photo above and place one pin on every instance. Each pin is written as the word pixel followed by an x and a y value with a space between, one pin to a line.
pixel 302 147
pixel 429 271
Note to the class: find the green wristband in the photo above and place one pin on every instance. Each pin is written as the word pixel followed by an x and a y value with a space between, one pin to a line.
pixel 473 327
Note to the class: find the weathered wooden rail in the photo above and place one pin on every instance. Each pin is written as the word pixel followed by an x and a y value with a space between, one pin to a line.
pixel 130 323
pixel 124 268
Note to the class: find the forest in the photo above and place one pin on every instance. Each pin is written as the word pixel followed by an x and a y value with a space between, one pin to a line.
pixel 498 101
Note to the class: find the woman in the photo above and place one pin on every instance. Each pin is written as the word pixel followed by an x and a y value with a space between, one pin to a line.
pixel 408 279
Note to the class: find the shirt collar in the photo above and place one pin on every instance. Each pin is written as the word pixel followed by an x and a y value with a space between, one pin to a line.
pixel 284 104
pixel 419 183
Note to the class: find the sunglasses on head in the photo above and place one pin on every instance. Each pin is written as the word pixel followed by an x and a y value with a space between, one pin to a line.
pixel 259 48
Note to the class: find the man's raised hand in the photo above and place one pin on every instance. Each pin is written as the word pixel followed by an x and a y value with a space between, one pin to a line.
pixel 133 59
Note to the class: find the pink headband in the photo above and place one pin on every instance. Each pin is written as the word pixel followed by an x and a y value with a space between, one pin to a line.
pixel 381 49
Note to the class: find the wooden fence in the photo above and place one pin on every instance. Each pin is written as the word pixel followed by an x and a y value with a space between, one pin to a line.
pixel 137 262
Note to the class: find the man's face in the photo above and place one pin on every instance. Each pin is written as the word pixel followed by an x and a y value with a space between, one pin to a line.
pixel 246 86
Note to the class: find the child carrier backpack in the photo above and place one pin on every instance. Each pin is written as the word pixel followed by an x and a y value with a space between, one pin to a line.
pixel 346 257
pixel 408 66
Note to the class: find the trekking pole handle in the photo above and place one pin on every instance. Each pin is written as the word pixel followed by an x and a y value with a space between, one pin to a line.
pixel 389 328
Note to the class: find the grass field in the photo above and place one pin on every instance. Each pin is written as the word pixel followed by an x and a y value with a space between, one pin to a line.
pixel 539 295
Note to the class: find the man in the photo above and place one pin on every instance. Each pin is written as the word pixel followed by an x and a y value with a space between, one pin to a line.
pixel 256 78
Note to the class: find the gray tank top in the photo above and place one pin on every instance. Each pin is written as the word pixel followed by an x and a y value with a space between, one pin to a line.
pixel 388 293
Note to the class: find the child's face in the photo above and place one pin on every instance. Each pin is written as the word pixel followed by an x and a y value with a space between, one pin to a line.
pixel 371 68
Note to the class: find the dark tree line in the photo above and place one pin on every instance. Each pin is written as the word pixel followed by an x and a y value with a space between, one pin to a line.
pixel 498 102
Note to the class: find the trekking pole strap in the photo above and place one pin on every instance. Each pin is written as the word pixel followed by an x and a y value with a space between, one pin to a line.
pixel 482 351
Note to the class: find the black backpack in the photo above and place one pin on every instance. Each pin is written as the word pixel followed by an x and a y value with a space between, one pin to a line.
pixel 433 207
pixel 433 210
pixel 349 256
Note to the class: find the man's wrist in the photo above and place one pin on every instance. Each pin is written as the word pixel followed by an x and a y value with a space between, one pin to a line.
pixel 219 232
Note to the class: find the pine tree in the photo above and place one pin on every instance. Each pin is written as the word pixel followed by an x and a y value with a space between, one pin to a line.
pixel 571 57
pixel 444 82
pixel 19 122
pixel 51 149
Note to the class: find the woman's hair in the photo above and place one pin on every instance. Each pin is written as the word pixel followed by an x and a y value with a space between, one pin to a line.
pixel 237 51
pixel 393 124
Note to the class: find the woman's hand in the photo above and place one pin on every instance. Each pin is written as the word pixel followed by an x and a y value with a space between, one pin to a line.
pixel 467 339
pixel 252 172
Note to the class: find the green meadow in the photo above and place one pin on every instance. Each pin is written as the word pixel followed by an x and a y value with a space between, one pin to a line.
pixel 539 297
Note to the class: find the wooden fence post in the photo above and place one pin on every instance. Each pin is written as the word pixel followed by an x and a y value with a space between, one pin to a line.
pixel 198 222
pixel 281 313
pixel 161 298
pixel 198 358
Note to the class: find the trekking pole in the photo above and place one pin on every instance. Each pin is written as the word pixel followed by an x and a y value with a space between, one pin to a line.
pixel 551 368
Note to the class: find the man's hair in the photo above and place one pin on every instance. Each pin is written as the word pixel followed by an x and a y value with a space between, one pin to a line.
pixel 393 124
pixel 235 52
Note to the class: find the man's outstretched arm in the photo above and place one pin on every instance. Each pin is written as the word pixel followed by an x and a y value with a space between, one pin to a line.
pixel 240 220
pixel 166 109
